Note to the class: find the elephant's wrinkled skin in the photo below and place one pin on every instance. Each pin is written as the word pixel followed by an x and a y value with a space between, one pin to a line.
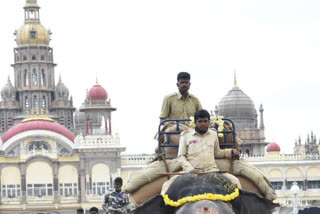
pixel 190 185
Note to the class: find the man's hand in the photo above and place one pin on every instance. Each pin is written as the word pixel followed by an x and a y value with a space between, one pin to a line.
pixel 235 154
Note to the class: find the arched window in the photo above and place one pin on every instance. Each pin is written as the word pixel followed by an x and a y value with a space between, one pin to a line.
pixel 10 182
pixel 34 77
pixel 35 101
pixel 44 102
pixel 26 101
pixel 43 78
pixel 24 58
pixel 100 179
pixel 32 14
pixel 49 79
pixel 42 57
pixel 38 145
pixel 34 57
pixel 39 179
pixel 25 78
pixel 68 181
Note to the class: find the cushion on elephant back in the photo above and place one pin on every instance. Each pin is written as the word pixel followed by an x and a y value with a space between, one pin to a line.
pixel 192 185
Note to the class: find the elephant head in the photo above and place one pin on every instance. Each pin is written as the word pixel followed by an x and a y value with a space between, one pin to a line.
pixel 205 194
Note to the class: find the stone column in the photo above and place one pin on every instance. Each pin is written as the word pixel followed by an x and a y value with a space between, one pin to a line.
pixel 82 175
pixel 90 184
pixel 56 183
pixel 23 184
pixel 110 130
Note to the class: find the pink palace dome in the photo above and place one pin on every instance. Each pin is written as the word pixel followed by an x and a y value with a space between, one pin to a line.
pixel 37 125
pixel 97 92
pixel 273 147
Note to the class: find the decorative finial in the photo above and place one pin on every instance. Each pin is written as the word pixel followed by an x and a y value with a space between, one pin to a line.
pixel 235 85
pixel 43 114
pixel 97 82
pixel 60 79
pixel 261 107
pixel 27 114
pixel 9 81
pixel 216 110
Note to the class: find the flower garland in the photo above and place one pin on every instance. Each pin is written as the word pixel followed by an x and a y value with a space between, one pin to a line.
pixel 205 196
pixel 217 120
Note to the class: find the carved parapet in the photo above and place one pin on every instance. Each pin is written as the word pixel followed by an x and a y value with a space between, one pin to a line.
pixel 92 140
pixel 9 104
pixel 280 157
pixel 136 159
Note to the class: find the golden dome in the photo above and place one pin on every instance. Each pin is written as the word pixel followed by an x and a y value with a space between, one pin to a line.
pixel 32 34
pixel 32 3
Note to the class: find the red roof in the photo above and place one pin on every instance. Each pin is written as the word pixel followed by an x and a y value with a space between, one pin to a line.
pixel 97 92
pixel 273 147
pixel 37 125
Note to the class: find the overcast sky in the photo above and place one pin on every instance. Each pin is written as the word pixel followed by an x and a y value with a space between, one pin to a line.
pixel 137 47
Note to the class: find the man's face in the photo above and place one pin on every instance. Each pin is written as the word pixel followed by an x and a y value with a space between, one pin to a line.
pixel 94 212
pixel 202 124
pixel 117 187
pixel 183 85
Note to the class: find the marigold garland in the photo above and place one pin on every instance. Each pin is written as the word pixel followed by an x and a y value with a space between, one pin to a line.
pixel 205 196
pixel 217 120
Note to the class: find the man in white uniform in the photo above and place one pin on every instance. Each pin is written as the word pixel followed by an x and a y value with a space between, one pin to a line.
pixel 199 147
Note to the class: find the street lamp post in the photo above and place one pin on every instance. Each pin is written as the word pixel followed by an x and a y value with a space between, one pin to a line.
pixel 295 190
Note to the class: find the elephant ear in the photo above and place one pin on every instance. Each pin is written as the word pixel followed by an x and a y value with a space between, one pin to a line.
pixel 154 205
pixel 250 202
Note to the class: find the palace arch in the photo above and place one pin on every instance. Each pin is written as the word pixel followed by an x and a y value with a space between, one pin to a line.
pixel 101 179
pixel 68 181
pixel 10 182
pixel 39 179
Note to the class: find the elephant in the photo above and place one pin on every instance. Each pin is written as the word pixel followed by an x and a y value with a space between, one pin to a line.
pixel 230 199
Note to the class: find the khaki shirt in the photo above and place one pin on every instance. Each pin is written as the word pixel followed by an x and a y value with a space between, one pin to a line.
pixel 199 151
pixel 176 107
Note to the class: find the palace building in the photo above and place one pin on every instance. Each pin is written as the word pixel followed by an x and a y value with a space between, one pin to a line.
pixel 53 159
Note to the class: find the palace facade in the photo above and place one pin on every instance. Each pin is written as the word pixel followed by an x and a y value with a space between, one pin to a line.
pixel 53 158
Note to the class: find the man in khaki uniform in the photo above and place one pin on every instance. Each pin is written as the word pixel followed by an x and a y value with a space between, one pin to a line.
pixel 199 147
pixel 180 105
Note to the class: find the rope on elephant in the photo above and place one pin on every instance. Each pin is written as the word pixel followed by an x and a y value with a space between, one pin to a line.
pixel 205 196
pixel 184 173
